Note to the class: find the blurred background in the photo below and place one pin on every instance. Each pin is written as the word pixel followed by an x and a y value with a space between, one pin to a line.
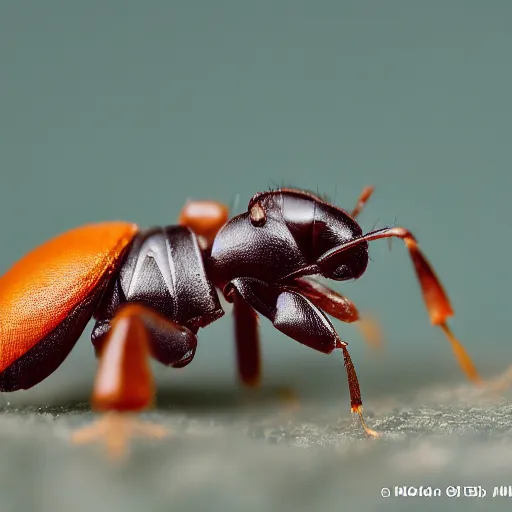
pixel 124 110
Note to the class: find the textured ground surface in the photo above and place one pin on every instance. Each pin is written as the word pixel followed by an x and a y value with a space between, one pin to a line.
pixel 230 454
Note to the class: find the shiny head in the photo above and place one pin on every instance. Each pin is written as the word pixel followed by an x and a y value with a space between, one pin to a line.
pixel 282 235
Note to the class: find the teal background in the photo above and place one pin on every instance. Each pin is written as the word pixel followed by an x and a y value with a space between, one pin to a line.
pixel 123 110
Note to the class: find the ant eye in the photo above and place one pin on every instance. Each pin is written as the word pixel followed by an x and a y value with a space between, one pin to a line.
pixel 257 215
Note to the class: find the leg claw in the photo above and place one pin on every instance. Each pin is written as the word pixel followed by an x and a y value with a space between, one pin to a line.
pixel 290 399
pixel 502 382
pixel 116 430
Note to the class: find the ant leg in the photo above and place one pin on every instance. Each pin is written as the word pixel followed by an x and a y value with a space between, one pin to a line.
pixel 369 327
pixel 204 218
pixel 124 384
pixel 362 200
pixel 248 348
pixel 298 318
pixel 339 307
pixel 436 301
pixel 247 341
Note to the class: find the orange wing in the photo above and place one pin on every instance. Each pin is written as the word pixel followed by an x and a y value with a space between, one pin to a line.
pixel 42 288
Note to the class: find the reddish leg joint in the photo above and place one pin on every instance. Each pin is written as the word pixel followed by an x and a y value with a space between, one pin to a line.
pixel 204 218
pixel 124 381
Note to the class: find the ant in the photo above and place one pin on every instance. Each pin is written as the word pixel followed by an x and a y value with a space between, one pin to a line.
pixel 150 291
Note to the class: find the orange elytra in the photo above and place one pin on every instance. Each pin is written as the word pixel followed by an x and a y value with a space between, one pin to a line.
pixel 39 291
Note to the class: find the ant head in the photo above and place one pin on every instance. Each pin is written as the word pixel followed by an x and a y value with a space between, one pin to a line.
pixel 316 226
pixel 283 232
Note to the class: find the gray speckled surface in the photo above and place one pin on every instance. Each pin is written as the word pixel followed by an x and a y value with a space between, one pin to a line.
pixel 229 451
